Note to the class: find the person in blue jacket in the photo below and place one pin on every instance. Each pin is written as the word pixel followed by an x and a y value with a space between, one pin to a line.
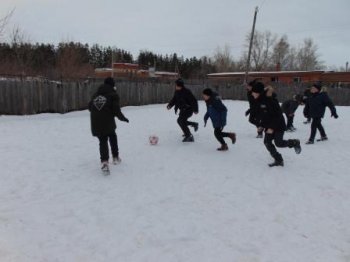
pixel 315 109
pixel 217 112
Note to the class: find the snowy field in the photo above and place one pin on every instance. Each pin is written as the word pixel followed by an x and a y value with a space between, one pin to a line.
pixel 174 201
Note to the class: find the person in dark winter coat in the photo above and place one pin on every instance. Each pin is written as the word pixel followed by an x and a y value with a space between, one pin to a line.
pixel 306 97
pixel 103 107
pixel 252 111
pixel 217 112
pixel 184 101
pixel 289 107
pixel 315 109
pixel 272 120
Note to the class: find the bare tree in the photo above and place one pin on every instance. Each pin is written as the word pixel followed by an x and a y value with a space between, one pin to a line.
pixel 280 55
pixel 4 21
pixel 23 51
pixel 307 56
pixel 223 60
pixel 262 50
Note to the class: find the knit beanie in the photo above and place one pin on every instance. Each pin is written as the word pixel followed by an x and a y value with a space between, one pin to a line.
pixel 109 81
pixel 180 82
pixel 258 87
pixel 207 92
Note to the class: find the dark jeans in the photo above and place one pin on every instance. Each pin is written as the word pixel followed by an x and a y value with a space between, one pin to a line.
pixel 184 123
pixel 316 124
pixel 279 142
pixel 113 141
pixel 220 135
pixel 290 120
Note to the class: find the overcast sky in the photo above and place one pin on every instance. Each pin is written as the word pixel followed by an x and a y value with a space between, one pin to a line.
pixel 187 27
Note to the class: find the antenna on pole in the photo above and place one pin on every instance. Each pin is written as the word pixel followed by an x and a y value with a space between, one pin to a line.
pixel 250 46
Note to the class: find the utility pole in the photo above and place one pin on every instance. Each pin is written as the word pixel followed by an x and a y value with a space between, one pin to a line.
pixel 346 66
pixel 250 47
pixel 112 74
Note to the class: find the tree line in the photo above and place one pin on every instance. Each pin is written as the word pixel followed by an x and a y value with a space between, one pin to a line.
pixel 69 60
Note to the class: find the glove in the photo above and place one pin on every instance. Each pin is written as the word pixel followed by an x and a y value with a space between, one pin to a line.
pixel 334 115
pixel 247 112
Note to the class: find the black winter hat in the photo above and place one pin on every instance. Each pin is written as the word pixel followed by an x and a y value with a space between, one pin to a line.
pixel 180 82
pixel 207 92
pixel 258 87
pixel 109 81
pixel 317 85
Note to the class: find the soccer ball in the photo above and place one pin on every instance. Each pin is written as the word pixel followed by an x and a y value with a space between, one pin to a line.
pixel 153 140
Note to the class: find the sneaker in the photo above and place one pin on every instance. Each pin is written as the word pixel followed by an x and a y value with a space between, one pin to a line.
pixel 297 146
pixel 223 147
pixel 104 166
pixel 116 160
pixel 195 126
pixel 310 142
pixel 188 139
pixel 233 137
pixel 324 138
pixel 276 163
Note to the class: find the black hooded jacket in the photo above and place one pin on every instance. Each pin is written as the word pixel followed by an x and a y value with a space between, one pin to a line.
pixel 316 105
pixel 183 99
pixel 269 112
pixel 104 106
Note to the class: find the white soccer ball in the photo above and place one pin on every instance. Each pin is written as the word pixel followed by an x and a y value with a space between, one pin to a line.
pixel 153 140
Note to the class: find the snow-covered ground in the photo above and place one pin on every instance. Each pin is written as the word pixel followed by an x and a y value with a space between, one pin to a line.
pixel 173 201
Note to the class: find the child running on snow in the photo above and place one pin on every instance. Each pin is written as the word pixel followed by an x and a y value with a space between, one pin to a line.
pixel 315 109
pixel 217 112
pixel 271 118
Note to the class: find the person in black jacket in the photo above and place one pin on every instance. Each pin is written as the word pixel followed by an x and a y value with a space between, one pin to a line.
pixel 252 111
pixel 272 120
pixel 103 107
pixel 306 96
pixel 184 101
pixel 289 107
pixel 315 109
pixel 217 112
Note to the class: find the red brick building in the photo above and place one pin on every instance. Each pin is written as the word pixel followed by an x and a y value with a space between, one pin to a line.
pixel 287 77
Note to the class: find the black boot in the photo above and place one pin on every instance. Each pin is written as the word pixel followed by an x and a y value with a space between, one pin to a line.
pixel 195 126
pixel 188 138
pixel 276 163
pixel 295 143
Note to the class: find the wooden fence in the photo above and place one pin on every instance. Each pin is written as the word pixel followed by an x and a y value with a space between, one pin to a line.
pixel 22 97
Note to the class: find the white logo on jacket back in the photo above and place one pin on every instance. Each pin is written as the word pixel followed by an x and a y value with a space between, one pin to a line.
pixel 99 102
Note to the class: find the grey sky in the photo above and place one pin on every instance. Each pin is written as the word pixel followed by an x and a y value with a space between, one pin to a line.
pixel 187 27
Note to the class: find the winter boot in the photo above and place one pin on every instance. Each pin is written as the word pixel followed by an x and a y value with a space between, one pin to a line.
pixel 309 142
pixel 232 136
pixel 195 126
pixel 323 138
pixel 276 163
pixel 260 134
pixel 105 167
pixel 116 160
pixel 223 147
pixel 188 138
pixel 295 143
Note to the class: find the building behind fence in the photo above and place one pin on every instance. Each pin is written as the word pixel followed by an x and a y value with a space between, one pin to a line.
pixel 24 97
